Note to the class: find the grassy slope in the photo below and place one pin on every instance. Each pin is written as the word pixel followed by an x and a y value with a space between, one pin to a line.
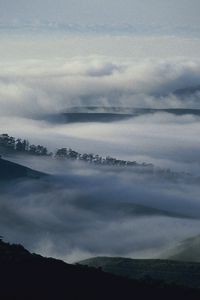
pixel 185 273
pixel 10 170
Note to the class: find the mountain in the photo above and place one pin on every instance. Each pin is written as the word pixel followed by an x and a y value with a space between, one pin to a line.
pixel 112 114
pixel 128 111
pixel 187 274
pixel 30 276
pixel 10 170
pixel 104 117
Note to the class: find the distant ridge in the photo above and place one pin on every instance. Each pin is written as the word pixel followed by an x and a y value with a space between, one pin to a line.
pixel 112 114
pixel 129 111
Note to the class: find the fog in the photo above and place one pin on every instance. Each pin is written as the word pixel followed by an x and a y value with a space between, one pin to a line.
pixel 82 210
pixel 89 211
pixel 32 94
pixel 173 14
pixel 36 89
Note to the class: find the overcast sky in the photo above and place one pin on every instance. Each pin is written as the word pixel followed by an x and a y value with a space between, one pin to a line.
pixel 154 12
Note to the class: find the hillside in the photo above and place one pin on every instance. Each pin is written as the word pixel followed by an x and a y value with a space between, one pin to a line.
pixel 30 276
pixel 182 273
pixel 188 250
pixel 12 146
pixel 10 170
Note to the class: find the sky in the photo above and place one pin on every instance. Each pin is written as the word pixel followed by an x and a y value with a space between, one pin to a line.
pixel 151 12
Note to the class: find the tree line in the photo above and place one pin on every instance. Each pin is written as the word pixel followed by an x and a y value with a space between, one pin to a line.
pixel 19 145
pixel 68 153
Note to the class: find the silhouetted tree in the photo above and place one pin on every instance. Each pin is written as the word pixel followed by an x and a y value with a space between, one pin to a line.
pixel 20 145
pixel 32 149
pixel 7 141
pixel 61 153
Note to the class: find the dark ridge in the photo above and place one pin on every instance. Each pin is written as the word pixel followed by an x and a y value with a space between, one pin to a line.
pixel 129 111
pixel 109 114
pixel 29 276
pixel 10 170
pixel 94 117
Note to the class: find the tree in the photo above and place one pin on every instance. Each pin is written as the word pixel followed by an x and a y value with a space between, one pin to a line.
pixel 40 150
pixel 72 154
pixel 32 149
pixel 7 141
pixel 61 153
pixel 19 145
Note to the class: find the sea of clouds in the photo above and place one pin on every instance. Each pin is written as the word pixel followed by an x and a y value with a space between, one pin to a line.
pixel 31 94
pixel 82 211
pixel 90 211
pixel 31 89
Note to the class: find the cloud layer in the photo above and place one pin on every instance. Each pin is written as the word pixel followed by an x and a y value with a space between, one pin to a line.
pixel 94 211
pixel 31 92
pixel 82 211
pixel 35 89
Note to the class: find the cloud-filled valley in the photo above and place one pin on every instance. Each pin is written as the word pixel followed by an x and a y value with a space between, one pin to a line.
pixel 31 93
pixel 91 211
pixel 81 210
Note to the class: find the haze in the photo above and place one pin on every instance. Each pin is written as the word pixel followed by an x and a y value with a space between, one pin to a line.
pixel 56 55
pixel 151 12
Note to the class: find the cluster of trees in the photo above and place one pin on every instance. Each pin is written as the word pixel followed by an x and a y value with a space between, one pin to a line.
pixel 67 153
pixel 19 145
pixel 23 146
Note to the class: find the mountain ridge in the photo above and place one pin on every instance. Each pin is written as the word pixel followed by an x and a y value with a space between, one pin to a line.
pixel 30 276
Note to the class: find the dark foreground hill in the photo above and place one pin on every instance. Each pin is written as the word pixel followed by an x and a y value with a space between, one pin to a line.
pixel 181 273
pixel 10 170
pixel 29 276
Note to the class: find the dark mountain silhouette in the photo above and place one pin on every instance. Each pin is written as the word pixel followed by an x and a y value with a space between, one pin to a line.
pixel 114 114
pixel 187 274
pixel 94 117
pixel 10 170
pixel 130 111
pixel 29 276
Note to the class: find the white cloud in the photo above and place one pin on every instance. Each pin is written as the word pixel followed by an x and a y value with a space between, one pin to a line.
pixel 34 89
pixel 84 204
pixel 30 92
